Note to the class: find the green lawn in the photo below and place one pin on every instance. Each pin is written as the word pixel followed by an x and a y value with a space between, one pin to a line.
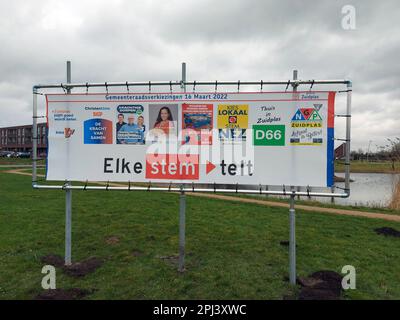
pixel 233 248
pixel 369 166
pixel 17 161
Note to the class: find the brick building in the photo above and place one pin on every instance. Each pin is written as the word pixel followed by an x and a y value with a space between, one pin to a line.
pixel 19 138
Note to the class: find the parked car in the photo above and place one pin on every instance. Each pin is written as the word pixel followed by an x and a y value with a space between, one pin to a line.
pixel 5 154
pixel 22 155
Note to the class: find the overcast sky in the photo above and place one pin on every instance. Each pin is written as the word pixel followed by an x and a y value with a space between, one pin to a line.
pixel 219 40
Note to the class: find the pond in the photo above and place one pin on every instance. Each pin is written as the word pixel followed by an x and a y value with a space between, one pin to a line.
pixel 368 189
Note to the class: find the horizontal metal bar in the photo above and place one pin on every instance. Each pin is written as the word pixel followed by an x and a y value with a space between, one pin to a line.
pixel 180 83
pixel 191 189
pixel 340 139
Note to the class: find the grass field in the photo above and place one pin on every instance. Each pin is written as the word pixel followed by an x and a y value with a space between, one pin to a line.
pixel 17 161
pixel 369 167
pixel 233 249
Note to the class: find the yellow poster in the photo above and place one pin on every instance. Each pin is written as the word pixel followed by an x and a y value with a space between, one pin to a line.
pixel 233 116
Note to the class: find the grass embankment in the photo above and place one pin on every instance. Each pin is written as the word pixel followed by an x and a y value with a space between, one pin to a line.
pixel 369 167
pixel 15 161
pixel 233 249
pixel 315 203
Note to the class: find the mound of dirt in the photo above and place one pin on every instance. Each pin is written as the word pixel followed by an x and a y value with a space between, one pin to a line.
pixel 80 269
pixel 112 240
pixel 77 269
pixel 321 285
pixel 387 231
pixel 285 243
pixel 63 294
pixel 137 253
pixel 317 294
pixel 53 260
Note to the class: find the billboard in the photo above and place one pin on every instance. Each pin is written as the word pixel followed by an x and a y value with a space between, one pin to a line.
pixel 267 138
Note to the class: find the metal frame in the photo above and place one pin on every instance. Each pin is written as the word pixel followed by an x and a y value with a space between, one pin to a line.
pixel 189 187
pixel 294 191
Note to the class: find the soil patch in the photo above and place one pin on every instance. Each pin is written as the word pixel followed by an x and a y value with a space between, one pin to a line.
pixel 387 231
pixel 285 243
pixel 63 294
pixel 53 260
pixel 80 269
pixel 137 253
pixel 321 285
pixel 77 269
pixel 112 240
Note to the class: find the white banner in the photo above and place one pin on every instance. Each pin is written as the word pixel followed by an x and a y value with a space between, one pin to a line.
pixel 269 138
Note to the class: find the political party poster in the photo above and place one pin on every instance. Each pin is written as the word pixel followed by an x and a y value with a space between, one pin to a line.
pixel 232 122
pixel 130 125
pixel 197 123
pixel 265 138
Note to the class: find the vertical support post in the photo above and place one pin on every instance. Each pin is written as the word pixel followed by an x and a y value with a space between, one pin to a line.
pixel 182 227
pixel 183 86
pixel 292 241
pixel 182 201
pixel 34 136
pixel 348 137
pixel 68 198
pixel 292 222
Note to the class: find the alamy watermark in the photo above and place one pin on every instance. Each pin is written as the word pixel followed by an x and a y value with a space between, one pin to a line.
pixel 349 280
pixel 49 280
pixel 349 17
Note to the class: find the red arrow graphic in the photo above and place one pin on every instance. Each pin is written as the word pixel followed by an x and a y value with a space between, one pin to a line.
pixel 209 167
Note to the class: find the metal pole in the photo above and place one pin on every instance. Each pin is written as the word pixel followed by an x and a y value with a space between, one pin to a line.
pixel 182 202
pixel 348 138
pixel 189 189
pixel 182 225
pixel 34 137
pixel 292 241
pixel 292 224
pixel 179 83
pixel 68 197
pixel 183 76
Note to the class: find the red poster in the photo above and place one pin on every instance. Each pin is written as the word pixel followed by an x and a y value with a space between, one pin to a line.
pixel 172 166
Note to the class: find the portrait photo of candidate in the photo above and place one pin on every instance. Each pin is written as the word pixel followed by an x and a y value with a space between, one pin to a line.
pixel 119 125
pixel 163 119
pixel 142 127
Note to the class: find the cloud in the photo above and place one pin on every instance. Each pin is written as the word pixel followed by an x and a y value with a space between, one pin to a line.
pixel 224 40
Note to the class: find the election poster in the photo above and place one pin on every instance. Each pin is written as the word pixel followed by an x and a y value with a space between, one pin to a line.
pixel 197 123
pixel 262 138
